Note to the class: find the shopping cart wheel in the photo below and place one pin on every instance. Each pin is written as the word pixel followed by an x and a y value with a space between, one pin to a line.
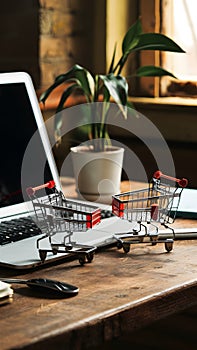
pixel 168 245
pixel 68 246
pixel 82 260
pixel 126 247
pixel 42 254
pixel 90 257
pixel 119 245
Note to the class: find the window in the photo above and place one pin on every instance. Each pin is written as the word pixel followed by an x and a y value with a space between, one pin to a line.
pixel 176 19
pixel 180 23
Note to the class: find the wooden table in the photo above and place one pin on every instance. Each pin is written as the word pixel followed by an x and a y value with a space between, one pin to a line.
pixel 119 293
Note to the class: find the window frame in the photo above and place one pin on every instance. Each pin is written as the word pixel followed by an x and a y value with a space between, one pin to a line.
pixel 151 22
pixel 166 86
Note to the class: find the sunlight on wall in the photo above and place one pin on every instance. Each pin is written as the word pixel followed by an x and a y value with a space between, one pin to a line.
pixel 120 15
pixel 180 23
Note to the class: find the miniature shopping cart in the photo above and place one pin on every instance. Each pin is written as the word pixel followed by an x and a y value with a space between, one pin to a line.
pixel 146 207
pixel 55 214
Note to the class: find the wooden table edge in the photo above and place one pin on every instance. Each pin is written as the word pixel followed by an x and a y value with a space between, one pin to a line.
pixel 103 327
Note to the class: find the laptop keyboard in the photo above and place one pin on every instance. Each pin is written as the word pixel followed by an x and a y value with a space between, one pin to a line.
pixel 21 228
pixel 17 229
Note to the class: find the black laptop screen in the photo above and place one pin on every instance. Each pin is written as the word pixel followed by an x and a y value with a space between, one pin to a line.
pixel 17 126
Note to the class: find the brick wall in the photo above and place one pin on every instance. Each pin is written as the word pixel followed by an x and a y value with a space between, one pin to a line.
pixel 46 37
pixel 57 22
pixel 65 34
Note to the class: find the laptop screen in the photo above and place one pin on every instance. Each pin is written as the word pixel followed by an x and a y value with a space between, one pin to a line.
pixel 17 126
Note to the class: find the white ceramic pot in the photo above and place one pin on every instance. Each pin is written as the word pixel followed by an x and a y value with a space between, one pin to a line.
pixel 97 174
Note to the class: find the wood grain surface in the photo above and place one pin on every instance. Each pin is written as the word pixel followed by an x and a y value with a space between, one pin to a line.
pixel 119 293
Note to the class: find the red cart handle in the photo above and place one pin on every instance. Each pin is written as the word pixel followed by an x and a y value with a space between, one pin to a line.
pixel 31 190
pixel 182 182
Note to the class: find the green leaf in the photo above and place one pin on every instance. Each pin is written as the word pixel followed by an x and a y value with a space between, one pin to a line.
pixel 65 95
pixel 86 80
pixel 46 93
pixel 153 71
pixel 83 78
pixel 58 81
pixel 135 40
pixel 156 41
pixel 80 76
pixel 111 68
pixel 106 94
pixel 130 40
pixel 60 78
pixel 117 87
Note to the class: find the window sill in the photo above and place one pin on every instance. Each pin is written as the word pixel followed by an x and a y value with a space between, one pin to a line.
pixel 167 102
pixel 175 117
pixel 167 113
pixel 148 102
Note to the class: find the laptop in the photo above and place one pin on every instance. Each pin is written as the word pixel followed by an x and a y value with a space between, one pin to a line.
pixel 188 204
pixel 25 164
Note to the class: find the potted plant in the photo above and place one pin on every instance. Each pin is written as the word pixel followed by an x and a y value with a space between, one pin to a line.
pixel 112 86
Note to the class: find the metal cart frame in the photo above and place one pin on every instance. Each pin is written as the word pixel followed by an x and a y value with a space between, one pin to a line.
pixel 158 203
pixel 56 214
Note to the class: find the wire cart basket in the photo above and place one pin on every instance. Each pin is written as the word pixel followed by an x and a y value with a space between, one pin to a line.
pixel 158 203
pixel 56 214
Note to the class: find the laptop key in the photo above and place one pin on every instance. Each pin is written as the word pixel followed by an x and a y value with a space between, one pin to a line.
pixel 106 213
pixel 5 240
pixel 17 229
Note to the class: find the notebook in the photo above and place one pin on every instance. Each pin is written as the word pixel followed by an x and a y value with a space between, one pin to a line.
pixel 188 204
pixel 25 163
